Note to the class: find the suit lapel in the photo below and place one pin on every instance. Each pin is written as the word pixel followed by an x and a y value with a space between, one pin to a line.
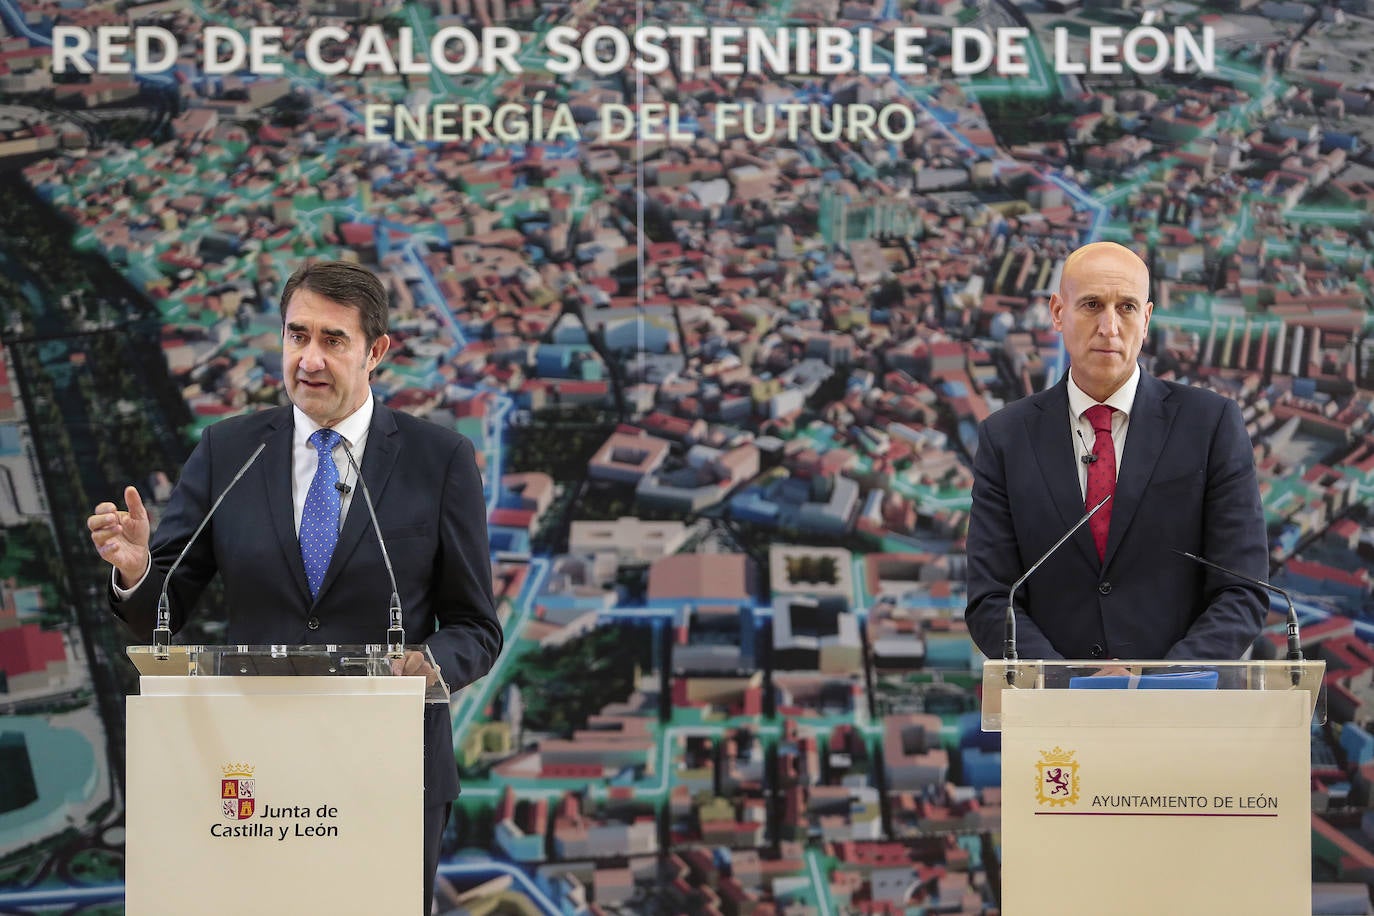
pixel 383 447
pixel 276 462
pixel 1151 418
pixel 1052 448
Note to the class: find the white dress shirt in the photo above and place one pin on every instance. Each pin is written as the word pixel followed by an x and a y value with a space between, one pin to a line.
pixel 304 459
pixel 1082 431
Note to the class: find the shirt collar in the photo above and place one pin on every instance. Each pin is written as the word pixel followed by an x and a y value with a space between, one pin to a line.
pixel 1122 398
pixel 351 427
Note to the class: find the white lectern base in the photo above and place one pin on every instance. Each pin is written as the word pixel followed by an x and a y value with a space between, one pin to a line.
pixel 275 795
pixel 1156 801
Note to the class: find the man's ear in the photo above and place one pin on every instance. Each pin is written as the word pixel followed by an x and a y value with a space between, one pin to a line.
pixel 377 351
pixel 1057 311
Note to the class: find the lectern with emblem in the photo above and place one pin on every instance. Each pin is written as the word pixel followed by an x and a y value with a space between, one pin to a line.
pixel 275 780
pixel 1181 788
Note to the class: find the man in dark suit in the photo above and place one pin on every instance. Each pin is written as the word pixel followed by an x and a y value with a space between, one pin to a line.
pixel 1186 482
pixel 294 542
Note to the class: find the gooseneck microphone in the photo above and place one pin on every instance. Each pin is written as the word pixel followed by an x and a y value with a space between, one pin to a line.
pixel 1088 456
pixel 162 633
pixel 395 634
pixel 1294 640
pixel 1009 645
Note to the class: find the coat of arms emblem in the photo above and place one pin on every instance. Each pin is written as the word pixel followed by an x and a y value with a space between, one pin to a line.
pixel 236 791
pixel 1056 778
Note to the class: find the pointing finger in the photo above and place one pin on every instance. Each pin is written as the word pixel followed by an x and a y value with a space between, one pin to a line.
pixel 135 503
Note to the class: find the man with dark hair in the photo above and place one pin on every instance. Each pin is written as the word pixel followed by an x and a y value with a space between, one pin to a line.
pixel 294 548
pixel 1186 481
pixel 347 284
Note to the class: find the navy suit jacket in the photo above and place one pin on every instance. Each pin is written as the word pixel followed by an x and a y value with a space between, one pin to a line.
pixel 428 496
pixel 1186 482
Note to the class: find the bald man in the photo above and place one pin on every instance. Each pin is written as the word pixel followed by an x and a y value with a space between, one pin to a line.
pixel 1177 465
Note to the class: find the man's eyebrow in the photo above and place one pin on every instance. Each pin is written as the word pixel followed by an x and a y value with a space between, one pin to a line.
pixel 327 332
pixel 1095 297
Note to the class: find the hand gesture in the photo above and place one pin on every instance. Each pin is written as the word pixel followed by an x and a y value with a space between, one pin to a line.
pixel 121 537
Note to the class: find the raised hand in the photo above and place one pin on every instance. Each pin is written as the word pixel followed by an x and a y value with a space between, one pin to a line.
pixel 121 536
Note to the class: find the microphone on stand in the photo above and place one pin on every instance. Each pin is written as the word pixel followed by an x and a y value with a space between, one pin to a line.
pixel 395 634
pixel 162 633
pixel 1294 640
pixel 1009 645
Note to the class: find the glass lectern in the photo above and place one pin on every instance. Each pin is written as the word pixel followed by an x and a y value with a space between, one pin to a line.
pixel 351 660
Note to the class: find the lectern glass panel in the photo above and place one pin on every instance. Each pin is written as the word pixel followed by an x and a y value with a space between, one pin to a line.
pixel 999 676
pixel 279 661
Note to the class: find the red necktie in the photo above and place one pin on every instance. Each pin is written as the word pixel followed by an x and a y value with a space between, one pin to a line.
pixel 1101 474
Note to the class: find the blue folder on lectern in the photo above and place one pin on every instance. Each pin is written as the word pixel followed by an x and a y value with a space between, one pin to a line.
pixel 1166 680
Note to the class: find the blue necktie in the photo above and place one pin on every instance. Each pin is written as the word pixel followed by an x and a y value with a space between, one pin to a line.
pixel 320 519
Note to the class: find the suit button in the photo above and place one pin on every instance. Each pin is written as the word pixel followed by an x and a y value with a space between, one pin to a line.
pixel 1104 588
pixel 313 623
pixel 1096 651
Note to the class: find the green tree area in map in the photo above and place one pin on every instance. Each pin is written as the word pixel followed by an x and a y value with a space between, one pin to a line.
pixel 564 686
pixel 29 556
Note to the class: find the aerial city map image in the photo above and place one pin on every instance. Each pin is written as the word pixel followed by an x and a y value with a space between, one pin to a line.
pixel 720 291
